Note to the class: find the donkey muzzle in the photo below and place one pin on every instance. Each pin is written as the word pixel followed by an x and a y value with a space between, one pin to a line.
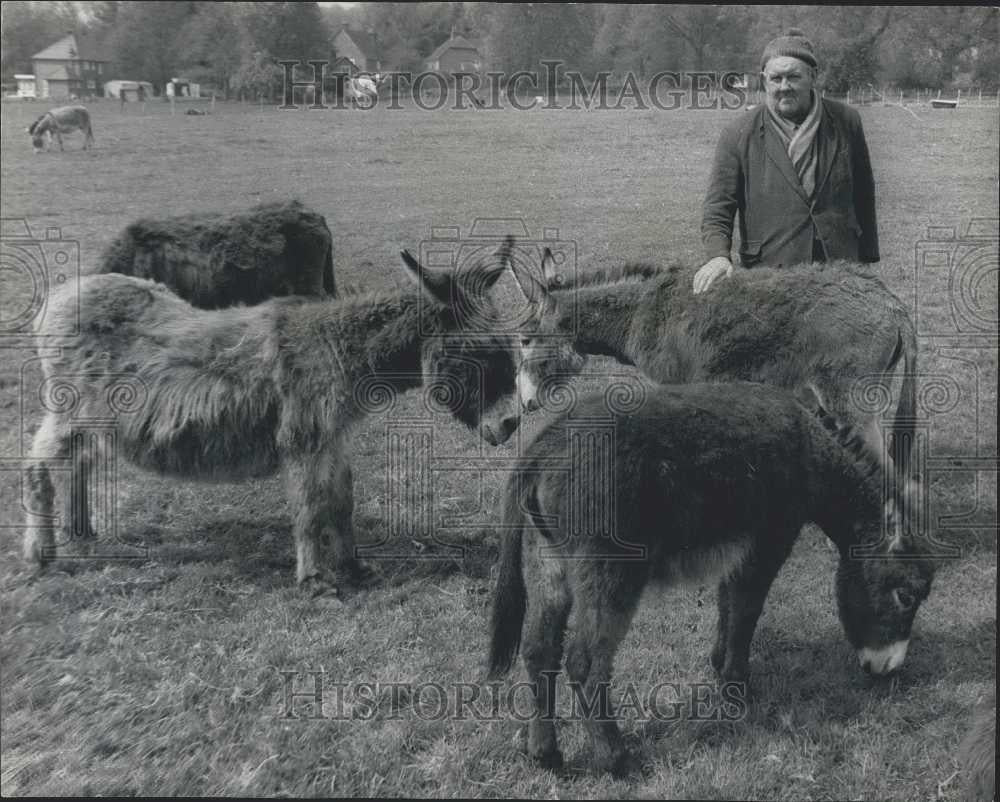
pixel 499 435
pixel 885 660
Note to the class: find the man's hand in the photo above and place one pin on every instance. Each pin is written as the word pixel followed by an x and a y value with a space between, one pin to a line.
pixel 710 271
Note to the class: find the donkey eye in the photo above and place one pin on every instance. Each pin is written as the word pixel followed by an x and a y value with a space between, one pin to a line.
pixel 904 599
pixel 525 341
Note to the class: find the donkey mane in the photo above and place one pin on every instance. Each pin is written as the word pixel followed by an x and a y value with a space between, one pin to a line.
pixel 634 272
pixel 34 125
pixel 865 459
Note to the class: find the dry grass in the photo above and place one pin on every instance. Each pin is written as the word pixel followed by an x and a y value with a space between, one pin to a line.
pixel 166 675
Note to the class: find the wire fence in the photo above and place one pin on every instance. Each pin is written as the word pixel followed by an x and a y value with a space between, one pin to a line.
pixel 887 96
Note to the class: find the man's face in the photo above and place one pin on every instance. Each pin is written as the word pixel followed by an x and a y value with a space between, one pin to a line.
pixel 788 83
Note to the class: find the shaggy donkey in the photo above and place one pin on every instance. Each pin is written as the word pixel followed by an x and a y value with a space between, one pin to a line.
pixel 244 392
pixel 978 751
pixel 775 465
pixel 216 260
pixel 56 122
pixel 834 326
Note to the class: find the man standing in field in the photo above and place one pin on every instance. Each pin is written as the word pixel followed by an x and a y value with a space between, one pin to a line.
pixel 795 169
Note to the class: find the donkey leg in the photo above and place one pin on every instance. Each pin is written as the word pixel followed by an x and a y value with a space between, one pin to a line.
pixel 348 568
pixel 718 656
pixel 320 494
pixel 746 593
pixel 542 650
pixel 603 620
pixel 50 443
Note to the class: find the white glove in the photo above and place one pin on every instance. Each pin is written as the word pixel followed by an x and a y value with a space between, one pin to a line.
pixel 710 271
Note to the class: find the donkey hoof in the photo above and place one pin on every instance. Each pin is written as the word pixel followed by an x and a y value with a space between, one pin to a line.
pixel 618 762
pixel 363 573
pixel 356 574
pixel 550 760
pixel 316 587
pixel 737 676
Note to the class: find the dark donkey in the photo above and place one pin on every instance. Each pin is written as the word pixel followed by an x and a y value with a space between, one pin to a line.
pixel 835 326
pixel 707 480
pixel 216 260
pixel 246 391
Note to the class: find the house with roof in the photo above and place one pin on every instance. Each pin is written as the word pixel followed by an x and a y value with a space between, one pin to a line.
pixel 456 54
pixel 358 47
pixel 75 66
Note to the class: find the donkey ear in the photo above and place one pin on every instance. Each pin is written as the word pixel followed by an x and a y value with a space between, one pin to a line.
pixel 437 285
pixel 527 281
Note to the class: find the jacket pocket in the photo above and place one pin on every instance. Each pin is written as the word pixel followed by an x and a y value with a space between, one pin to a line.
pixel 750 252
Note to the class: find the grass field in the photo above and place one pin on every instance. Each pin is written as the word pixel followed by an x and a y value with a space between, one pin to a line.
pixel 171 674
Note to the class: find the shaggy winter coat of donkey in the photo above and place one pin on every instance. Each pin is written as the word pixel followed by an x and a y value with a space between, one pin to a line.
pixel 244 392
pixel 835 326
pixel 978 751
pixel 215 260
pixel 706 481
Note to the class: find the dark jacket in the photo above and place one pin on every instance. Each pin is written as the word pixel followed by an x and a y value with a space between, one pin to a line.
pixel 753 175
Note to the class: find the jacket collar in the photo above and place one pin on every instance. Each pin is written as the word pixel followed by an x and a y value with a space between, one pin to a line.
pixel 829 146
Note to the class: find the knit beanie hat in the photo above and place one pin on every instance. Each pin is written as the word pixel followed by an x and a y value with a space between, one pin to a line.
pixel 794 44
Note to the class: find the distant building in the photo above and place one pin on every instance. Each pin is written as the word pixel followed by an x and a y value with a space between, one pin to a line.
pixel 26 87
pixel 182 88
pixel 358 47
pixel 130 89
pixel 456 54
pixel 75 66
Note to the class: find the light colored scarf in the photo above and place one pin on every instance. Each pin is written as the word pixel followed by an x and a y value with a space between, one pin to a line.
pixel 800 142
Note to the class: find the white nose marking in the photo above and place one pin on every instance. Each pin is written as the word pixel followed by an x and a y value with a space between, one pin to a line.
pixel 884 660
pixel 526 388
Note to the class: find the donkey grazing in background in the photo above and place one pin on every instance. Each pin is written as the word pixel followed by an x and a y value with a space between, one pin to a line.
pixel 56 122
pixel 217 260
pixel 706 480
pixel 244 392
pixel 832 326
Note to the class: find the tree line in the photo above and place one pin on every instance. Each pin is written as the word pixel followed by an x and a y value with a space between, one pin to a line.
pixel 234 46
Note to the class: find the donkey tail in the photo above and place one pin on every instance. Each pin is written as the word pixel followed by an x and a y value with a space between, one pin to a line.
pixel 509 595
pixel 903 428
pixel 329 280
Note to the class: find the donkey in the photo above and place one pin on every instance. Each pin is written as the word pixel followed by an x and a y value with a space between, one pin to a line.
pixel 215 260
pixel 56 122
pixel 776 464
pixel 248 391
pixel 835 326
